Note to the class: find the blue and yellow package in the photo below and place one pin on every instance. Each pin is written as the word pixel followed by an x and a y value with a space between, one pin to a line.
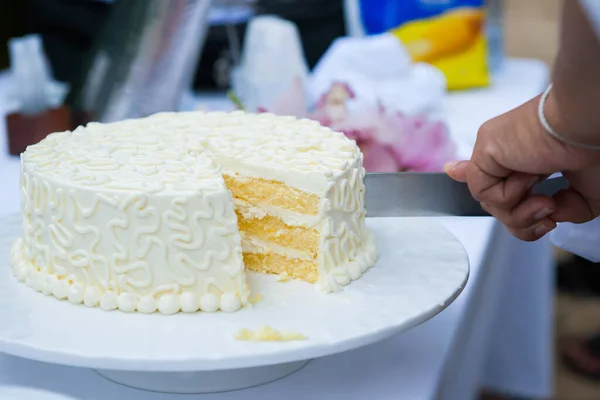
pixel 449 34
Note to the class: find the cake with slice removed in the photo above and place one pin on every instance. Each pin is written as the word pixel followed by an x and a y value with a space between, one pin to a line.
pixel 163 213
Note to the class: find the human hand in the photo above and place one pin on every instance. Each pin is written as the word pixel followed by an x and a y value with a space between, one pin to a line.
pixel 512 153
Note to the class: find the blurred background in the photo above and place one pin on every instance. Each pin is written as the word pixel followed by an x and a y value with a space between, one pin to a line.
pixel 69 28
pixel 339 61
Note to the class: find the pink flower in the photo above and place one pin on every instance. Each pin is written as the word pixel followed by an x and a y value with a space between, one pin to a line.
pixel 414 143
pixel 374 136
pixel 378 158
pixel 390 142
pixel 425 145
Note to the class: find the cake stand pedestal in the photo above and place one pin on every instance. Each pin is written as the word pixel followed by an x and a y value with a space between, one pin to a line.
pixel 203 382
pixel 421 269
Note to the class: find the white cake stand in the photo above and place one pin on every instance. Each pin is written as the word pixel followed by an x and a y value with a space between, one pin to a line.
pixel 421 269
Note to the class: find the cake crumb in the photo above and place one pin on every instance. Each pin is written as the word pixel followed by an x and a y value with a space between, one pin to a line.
pixel 267 334
pixel 346 299
pixel 255 298
pixel 244 334
pixel 283 277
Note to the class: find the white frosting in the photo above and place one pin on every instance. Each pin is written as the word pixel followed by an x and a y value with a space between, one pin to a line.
pixel 135 215
pixel 147 305
pixel 300 153
pixel 209 302
pixel 230 302
pixel 109 301
pixel 60 290
pixel 127 302
pixel 168 304
pixel 256 245
pixel 190 302
pixel 92 295
pixel 290 218
pixel 49 284
pixel 76 292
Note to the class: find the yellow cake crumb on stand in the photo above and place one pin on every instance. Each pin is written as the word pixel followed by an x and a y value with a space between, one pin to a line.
pixel 267 334
pixel 255 298
pixel 283 277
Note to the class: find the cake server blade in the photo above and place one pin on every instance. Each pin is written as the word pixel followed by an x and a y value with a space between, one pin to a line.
pixel 417 194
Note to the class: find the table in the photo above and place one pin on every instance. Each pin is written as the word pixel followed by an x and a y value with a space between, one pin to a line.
pixel 497 333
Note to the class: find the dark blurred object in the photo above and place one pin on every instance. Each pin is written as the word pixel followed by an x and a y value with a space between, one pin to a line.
pixel 579 277
pixel 220 54
pixel 319 22
pixel 38 96
pixel 143 60
pixel 68 29
pixel 12 23
pixel 217 59
pixel 24 130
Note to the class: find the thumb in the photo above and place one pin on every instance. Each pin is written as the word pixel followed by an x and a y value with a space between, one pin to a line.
pixel 457 170
pixel 572 206
pixel 581 201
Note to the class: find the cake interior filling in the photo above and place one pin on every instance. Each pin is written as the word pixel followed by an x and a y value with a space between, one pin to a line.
pixel 275 222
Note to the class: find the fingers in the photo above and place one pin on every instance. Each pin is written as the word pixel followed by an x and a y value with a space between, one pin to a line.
pixel 535 232
pixel 571 206
pixel 581 202
pixel 527 213
pixel 457 170
pixel 504 193
pixel 509 199
pixel 485 174
pixel 529 220
pixel 488 180
pixel 511 154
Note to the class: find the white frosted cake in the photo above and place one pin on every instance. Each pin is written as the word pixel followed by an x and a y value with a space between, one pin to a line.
pixel 167 212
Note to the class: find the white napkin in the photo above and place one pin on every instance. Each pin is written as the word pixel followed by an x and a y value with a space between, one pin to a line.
pixel 580 239
pixel 379 70
pixel 272 61
pixel 34 88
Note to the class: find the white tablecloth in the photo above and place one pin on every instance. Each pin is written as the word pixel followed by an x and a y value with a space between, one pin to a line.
pixel 497 333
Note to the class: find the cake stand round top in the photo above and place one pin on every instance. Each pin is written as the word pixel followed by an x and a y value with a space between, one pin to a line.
pixel 421 269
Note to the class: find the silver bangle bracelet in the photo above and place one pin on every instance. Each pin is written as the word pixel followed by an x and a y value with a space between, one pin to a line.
pixel 551 131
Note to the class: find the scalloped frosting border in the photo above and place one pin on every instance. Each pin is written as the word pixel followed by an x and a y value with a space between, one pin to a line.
pixel 94 296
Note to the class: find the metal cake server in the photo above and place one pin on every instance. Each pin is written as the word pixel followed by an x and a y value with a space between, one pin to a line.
pixel 416 194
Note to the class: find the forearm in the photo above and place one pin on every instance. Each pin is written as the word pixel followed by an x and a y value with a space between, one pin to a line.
pixel 573 108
